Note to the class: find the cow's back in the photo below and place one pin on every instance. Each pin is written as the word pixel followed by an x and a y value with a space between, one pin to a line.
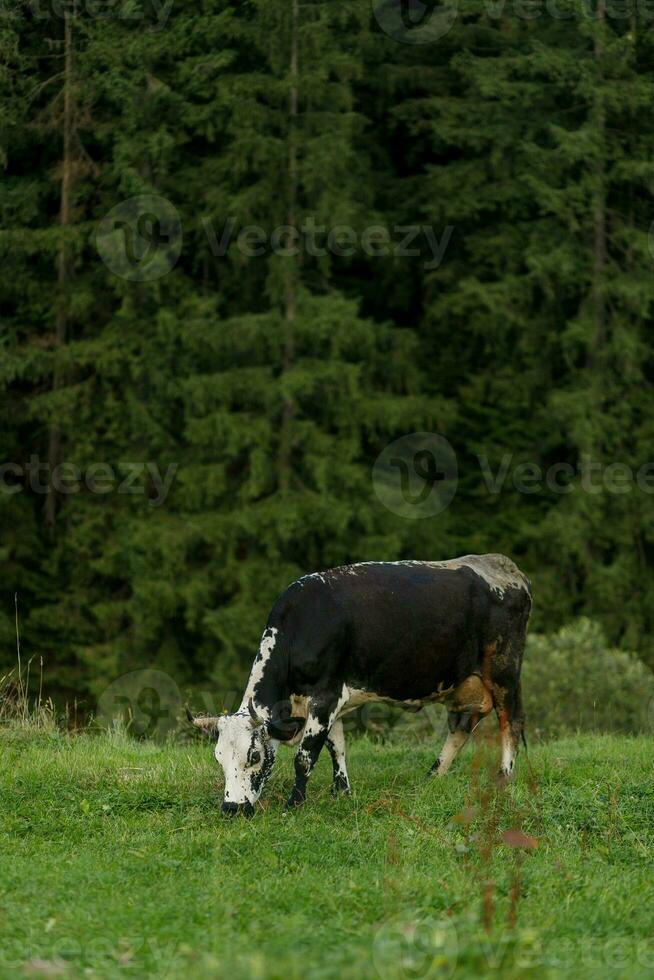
pixel 399 629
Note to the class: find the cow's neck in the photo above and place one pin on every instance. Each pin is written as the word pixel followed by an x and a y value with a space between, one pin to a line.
pixel 267 685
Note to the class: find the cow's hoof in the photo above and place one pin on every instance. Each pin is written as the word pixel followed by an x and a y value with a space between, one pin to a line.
pixel 295 800
pixel 435 767
pixel 231 809
pixel 340 787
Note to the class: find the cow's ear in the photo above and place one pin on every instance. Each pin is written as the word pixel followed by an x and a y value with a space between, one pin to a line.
pixel 285 729
pixel 205 723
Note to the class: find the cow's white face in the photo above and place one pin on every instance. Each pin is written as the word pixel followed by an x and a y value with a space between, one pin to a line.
pixel 246 752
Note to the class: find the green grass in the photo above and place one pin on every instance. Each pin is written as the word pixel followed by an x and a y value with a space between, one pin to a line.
pixel 114 861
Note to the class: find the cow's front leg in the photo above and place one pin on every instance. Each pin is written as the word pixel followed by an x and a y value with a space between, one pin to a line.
pixel 320 719
pixel 315 736
pixel 336 747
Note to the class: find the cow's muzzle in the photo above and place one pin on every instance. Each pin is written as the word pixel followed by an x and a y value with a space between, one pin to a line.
pixel 231 809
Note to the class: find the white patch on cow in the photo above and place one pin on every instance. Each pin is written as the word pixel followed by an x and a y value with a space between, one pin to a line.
pixel 319 576
pixel 266 648
pixel 508 751
pixel 336 745
pixel 498 571
pixel 312 727
pixel 237 740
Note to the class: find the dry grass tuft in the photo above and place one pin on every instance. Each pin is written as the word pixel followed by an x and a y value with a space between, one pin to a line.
pixel 17 706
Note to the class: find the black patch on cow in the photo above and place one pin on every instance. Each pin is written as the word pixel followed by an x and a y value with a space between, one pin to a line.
pixel 259 777
pixel 400 631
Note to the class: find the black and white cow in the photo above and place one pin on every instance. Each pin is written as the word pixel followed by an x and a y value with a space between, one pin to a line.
pixel 407 632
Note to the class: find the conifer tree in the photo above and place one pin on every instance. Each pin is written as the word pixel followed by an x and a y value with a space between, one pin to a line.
pixel 270 369
pixel 294 400
pixel 540 135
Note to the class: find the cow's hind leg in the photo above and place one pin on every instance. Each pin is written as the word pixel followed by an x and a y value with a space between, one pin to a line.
pixel 460 725
pixel 511 716
pixel 505 671
pixel 336 747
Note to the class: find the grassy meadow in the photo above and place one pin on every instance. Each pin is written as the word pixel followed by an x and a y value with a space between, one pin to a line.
pixel 115 862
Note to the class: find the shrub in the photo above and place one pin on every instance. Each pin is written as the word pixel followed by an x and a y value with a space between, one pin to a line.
pixel 574 681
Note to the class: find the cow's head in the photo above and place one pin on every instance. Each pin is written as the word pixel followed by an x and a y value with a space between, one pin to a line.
pixel 246 747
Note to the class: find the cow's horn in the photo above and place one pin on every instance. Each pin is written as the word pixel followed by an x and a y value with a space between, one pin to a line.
pixel 256 720
pixel 206 723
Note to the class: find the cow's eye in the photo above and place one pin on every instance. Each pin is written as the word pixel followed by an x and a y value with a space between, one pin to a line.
pixel 254 758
